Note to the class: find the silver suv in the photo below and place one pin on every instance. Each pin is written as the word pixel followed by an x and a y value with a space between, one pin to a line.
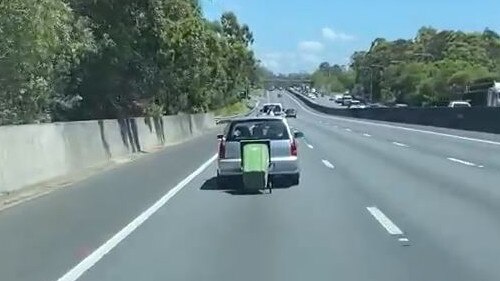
pixel 284 149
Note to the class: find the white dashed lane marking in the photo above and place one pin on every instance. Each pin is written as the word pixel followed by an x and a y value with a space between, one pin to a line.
pixel 463 162
pixel 328 164
pixel 399 144
pixel 392 228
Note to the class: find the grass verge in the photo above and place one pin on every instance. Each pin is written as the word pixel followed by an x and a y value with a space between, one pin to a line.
pixel 232 109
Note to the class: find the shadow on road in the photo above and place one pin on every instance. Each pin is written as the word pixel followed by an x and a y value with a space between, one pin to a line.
pixel 211 184
pixel 237 188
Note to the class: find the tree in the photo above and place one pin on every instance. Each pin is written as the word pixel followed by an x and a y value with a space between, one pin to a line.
pixel 433 67
pixel 42 41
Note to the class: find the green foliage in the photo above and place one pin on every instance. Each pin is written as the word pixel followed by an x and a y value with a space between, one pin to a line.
pixel 333 79
pixel 435 66
pixel 80 59
pixel 42 41
pixel 232 109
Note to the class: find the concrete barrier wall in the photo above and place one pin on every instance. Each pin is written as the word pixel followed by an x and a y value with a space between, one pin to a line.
pixel 481 119
pixel 30 154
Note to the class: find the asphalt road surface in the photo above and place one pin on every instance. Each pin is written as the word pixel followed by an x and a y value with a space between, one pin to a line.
pixel 376 201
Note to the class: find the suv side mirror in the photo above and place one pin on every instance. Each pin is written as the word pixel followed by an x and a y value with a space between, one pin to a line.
pixel 219 137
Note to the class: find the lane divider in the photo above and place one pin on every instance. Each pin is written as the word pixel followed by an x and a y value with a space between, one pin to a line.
pixel 389 226
pixel 463 162
pixel 347 129
pixel 77 271
pixel 400 144
pixel 367 135
pixel 394 126
pixel 328 164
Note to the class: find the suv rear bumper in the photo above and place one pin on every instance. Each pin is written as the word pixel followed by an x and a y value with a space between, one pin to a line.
pixel 279 166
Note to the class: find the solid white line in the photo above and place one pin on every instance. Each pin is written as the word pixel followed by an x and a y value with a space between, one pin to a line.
pixel 105 248
pixel 399 144
pixel 384 221
pixel 367 135
pixel 393 126
pixel 467 163
pixel 328 164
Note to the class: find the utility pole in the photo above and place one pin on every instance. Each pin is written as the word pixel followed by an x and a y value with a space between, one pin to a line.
pixel 371 85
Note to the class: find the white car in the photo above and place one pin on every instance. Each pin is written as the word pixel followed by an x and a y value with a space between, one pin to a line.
pixel 459 103
pixel 275 108
pixel 283 144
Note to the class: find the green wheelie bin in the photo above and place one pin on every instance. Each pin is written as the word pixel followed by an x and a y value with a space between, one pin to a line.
pixel 255 161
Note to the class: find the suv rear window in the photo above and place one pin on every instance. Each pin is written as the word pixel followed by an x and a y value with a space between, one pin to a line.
pixel 275 108
pixel 258 129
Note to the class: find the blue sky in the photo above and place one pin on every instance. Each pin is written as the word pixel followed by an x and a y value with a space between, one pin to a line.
pixel 297 35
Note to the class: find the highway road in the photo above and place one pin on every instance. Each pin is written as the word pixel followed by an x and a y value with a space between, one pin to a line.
pixel 376 201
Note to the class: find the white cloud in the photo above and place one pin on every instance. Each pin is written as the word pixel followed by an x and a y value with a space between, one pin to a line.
pixel 310 46
pixel 333 35
pixel 279 62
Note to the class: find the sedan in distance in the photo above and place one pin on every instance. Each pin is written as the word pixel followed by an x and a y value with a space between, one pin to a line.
pixel 291 113
pixel 283 148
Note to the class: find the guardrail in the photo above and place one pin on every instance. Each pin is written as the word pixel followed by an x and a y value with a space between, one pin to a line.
pixel 482 119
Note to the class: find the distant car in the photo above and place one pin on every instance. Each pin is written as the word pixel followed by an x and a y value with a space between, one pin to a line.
pixel 338 98
pixel 283 149
pixel 312 96
pixel 346 100
pixel 291 112
pixel 459 103
pixel 356 104
pixel 275 108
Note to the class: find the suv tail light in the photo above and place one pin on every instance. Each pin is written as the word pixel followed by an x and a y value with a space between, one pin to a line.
pixel 293 147
pixel 222 149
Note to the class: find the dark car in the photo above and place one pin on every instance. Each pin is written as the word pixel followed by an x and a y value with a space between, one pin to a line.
pixel 290 112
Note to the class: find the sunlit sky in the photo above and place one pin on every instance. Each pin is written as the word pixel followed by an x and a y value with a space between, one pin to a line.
pixel 297 35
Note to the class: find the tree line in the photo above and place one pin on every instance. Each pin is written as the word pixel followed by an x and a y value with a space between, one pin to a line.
pixel 430 69
pixel 89 59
